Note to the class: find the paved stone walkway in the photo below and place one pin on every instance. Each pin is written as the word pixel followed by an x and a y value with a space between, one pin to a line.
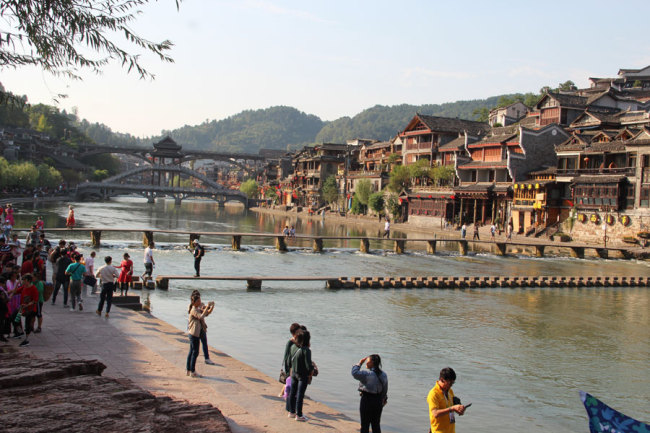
pixel 152 353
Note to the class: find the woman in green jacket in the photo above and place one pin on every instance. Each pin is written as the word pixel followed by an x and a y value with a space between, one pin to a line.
pixel 301 370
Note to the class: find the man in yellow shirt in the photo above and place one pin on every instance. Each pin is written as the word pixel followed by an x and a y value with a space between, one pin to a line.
pixel 442 409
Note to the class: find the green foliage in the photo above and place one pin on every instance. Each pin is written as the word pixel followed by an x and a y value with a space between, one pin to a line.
pixel 376 202
pixel 106 162
pixel 419 169
pixel 393 205
pixel 250 188
pixel 272 195
pixel 24 174
pixel 99 175
pixel 399 178
pixel 481 114
pixel 49 176
pixel 356 207
pixel 329 190
pixel 441 174
pixel 62 36
pixel 72 177
pixel 362 191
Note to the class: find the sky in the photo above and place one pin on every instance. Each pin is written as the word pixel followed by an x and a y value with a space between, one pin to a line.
pixel 336 58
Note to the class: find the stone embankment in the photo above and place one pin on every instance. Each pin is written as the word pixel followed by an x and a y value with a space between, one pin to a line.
pixel 41 395
pixel 478 282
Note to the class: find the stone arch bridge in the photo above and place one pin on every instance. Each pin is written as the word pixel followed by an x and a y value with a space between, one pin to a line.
pixel 133 182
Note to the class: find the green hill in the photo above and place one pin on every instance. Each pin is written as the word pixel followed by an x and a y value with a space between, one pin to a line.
pixel 251 130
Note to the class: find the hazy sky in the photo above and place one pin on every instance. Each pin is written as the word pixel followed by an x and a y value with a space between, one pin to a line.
pixel 335 58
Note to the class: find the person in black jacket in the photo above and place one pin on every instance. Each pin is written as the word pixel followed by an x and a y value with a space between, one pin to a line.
pixel 301 370
pixel 62 280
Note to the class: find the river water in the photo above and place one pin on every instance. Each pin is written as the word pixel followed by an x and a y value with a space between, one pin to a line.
pixel 521 355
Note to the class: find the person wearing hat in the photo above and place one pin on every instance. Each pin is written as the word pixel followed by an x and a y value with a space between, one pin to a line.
pixel 126 274
pixel 199 251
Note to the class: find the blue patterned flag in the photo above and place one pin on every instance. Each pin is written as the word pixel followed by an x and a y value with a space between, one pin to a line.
pixel 604 419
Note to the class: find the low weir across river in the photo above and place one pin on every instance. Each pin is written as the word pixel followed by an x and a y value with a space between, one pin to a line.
pixel 399 244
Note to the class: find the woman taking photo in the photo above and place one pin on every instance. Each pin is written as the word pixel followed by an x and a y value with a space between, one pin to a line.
pixel 301 370
pixel 373 387
pixel 194 331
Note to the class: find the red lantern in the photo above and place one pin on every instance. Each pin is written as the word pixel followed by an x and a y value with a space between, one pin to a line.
pixel 444 197
pixel 418 195
pixel 400 201
pixel 430 197
pixel 453 197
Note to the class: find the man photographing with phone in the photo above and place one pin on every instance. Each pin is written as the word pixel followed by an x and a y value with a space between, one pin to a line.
pixel 442 409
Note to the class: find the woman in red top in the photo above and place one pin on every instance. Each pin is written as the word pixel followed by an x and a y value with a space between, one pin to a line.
pixel 126 274
pixel 70 222
pixel 29 306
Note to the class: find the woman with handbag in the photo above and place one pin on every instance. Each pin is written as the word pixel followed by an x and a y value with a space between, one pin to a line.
pixel 373 388
pixel 285 371
pixel 301 371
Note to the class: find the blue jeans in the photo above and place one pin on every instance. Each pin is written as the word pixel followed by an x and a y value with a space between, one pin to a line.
pixel 194 353
pixel 297 395
pixel 204 342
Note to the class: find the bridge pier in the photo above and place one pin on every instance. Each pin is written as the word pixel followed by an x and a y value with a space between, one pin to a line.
pixel 162 283
pixel 539 250
pixel 192 237
pixel 177 200
pixel 364 246
pixel 280 244
pixel 431 247
pixel 602 253
pixel 95 238
pixel 501 248
pixel 578 252
pixel 399 246
pixel 236 243
pixel 318 245
pixel 147 239
pixel 151 198
pixel 254 285
pixel 462 247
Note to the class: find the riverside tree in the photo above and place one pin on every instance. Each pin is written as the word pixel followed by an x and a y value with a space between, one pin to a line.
pixel 330 190
pixel 376 202
pixel 362 192
pixel 64 36
pixel 250 188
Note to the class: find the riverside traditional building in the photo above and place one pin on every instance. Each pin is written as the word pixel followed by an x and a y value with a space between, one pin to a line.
pixel 500 159
pixel 311 167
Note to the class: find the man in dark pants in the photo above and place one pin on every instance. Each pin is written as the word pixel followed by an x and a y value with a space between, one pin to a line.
pixel 107 275
pixel 62 279
pixel 198 255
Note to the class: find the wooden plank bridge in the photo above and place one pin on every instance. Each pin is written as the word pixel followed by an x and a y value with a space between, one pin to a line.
pixel 254 283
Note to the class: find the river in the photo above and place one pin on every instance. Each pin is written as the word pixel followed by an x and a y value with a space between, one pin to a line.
pixel 521 355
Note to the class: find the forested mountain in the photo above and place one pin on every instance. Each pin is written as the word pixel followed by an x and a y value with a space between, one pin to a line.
pixel 382 123
pixel 251 130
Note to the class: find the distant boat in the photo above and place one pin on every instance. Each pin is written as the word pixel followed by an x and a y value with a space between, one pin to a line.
pixel 604 419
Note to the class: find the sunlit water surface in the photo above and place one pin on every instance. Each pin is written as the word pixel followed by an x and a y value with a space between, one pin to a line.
pixel 521 355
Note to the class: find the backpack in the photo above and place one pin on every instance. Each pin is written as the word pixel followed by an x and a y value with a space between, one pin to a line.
pixel 201 251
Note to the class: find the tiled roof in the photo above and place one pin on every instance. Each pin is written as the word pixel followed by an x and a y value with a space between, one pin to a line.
pixel 572 101
pixel 453 145
pixel 379 145
pixel 612 146
pixel 450 124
